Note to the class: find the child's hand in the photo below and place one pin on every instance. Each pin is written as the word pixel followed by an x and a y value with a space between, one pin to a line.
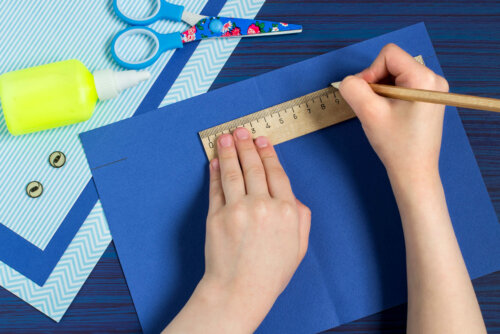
pixel 407 138
pixel 405 135
pixel 257 231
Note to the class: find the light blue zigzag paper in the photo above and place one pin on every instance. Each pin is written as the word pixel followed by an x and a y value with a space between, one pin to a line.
pixel 56 295
pixel 210 56
pixel 70 273
pixel 40 32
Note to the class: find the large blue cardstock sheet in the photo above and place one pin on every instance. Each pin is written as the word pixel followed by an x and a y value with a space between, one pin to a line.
pixel 152 177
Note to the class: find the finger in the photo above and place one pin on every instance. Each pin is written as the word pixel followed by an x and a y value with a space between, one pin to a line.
pixel 230 170
pixel 216 194
pixel 394 61
pixel 277 180
pixel 304 227
pixel 364 102
pixel 251 164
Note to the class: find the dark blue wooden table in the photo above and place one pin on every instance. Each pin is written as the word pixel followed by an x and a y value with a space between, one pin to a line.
pixel 466 36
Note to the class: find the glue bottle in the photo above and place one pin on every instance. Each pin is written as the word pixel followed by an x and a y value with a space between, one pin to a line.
pixel 58 94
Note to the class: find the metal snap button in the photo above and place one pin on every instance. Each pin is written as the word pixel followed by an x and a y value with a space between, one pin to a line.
pixel 34 189
pixel 57 159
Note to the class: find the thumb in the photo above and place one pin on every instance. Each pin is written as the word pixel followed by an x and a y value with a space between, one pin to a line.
pixel 304 227
pixel 364 102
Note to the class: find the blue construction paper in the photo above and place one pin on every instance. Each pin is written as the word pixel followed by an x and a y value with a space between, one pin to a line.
pixel 152 177
pixel 37 264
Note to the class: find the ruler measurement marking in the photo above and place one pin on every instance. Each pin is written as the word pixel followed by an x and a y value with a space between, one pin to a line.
pixel 292 126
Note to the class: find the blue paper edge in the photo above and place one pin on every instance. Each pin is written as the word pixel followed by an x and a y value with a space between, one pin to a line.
pixel 36 264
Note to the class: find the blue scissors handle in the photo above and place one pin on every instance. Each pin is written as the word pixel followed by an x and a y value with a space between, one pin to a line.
pixel 163 42
pixel 165 10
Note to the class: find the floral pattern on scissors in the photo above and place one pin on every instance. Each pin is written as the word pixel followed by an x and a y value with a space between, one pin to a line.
pixel 189 35
pixel 232 27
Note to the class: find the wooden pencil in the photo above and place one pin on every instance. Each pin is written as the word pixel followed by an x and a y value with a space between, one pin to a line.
pixel 422 95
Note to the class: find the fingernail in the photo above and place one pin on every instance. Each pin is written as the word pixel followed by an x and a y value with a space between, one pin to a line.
pixel 226 140
pixel 241 133
pixel 261 142
pixel 215 164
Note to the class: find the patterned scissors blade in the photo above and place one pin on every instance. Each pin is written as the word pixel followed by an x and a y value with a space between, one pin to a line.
pixel 214 27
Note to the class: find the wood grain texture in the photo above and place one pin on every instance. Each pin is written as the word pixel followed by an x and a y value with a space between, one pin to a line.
pixel 466 36
pixel 430 96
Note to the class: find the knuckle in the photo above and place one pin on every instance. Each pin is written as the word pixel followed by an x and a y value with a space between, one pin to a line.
pixel 261 207
pixel 226 154
pixel 278 174
pixel 237 212
pixel 277 170
pixel 254 170
pixel 218 215
pixel 287 209
pixel 390 47
pixel 215 195
pixel 214 219
pixel 245 147
pixel 267 154
pixel 442 84
pixel 232 176
pixel 214 183
pixel 421 79
pixel 237 218
pixel 429 79
pixel 307 212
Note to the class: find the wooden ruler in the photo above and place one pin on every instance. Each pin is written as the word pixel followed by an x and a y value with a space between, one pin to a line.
pixel 287 120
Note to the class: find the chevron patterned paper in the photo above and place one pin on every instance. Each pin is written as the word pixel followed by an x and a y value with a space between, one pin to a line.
pixel 54 298
pixel 70 273
pixel 210 56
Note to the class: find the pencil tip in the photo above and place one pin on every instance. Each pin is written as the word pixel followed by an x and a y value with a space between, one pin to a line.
pixel 336 84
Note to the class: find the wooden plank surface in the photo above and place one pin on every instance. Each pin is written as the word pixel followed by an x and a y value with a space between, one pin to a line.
pixel 466 36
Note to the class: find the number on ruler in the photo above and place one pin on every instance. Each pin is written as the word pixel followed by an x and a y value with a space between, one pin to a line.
pixel 336 98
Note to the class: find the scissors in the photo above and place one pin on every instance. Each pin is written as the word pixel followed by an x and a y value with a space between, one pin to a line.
pixel 202 27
